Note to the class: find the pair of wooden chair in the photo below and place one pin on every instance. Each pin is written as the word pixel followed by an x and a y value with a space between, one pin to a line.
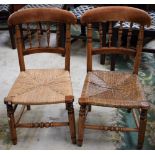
pixel 53 86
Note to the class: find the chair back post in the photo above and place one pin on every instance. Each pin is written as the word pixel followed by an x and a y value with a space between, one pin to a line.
pixel 89 47
pixel 67 47
pixel 139 49
pixel 19 43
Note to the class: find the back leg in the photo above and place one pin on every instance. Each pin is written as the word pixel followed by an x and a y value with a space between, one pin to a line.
pixel 28 107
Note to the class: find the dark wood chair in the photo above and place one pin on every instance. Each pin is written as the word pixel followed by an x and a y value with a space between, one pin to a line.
pixel 114 89
pixel 4 15
pixel 40 86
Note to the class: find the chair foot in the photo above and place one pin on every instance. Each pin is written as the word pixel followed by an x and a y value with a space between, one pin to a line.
pixel 129 110
pixel 71 117
pixel 28 107
pixel 63 55
pixel 113 60
pixel 142 128
pixel 10 113
pixel 79 143
pixel 89 108
pixel 66 106
pixel 102 59
pixel 73 140
pixel 139 147
pixel 81 122
pixel 14 141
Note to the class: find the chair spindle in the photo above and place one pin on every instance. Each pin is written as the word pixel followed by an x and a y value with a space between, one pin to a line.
pixel 29 35
pixel 120 32
pixel 38 34
pixel 58 34
pixel 101 34
pixel 110 34
pixel 129 35
pixel 48 33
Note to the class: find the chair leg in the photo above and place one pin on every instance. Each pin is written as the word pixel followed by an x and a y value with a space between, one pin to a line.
pixel 66 106
pixel 113 59
pixel 102 59
pixel 83 33
pixel 142 128
pixel 10 112
pixel 28 107
pixel 81 122
pixel 71 117
pixel 128 110
pixel 11 32
pixel 89 108
pixel 83 30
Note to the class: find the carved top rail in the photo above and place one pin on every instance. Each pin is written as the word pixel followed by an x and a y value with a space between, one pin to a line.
pixel 116 13
pixel 41 14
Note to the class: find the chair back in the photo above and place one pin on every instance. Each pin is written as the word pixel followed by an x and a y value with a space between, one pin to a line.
pixel 33 32
pixel 112 43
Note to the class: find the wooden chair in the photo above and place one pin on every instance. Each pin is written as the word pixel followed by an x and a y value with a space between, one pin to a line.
pixel 40 86
pixel 108 88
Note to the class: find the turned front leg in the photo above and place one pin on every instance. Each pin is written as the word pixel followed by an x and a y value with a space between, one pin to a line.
pixel 10 113
pixel 142 128
pixel 81 123
pixel 71 117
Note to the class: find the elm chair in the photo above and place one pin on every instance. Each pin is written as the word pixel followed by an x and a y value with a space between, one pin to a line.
pixel 114 89
pixel 40 86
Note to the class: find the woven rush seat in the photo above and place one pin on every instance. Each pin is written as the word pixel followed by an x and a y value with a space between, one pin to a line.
pixel 41 87
pixel 117 89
